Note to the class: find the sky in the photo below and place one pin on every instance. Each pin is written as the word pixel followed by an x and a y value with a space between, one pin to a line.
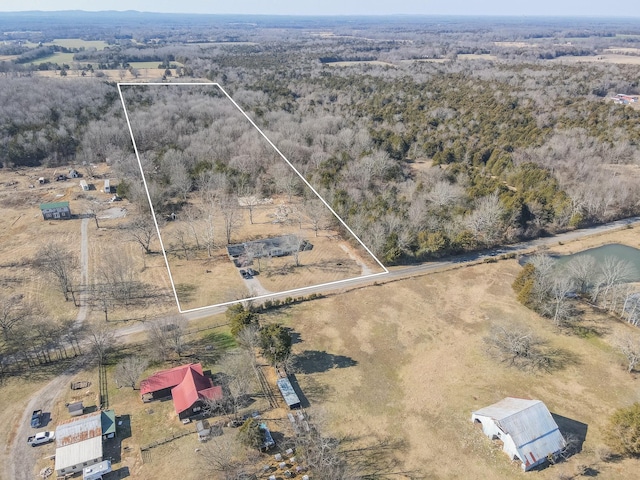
pixel 617 8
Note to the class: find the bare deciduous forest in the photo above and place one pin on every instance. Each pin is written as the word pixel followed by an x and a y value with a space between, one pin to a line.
pixel 428 139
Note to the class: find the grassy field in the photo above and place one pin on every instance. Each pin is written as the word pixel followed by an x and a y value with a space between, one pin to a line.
pixel 408 359
pixel 614 58
pixel 58 58
pixel 72 43
pixel 203 280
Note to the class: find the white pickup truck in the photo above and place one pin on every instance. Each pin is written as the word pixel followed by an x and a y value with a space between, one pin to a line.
pixel 40 438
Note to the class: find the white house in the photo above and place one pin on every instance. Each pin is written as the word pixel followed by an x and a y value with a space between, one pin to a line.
pixel 528 431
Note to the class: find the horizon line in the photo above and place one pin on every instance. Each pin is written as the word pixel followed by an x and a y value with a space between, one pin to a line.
pixel 368 15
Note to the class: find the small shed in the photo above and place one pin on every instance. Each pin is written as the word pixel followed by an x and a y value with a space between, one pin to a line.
pixel 74 173
pixel 42 180
pixel 55 211
pixel 203 429
pixel 107 186
pixel 84 185
pixel 76 409
pixel 288 393
pixel 528 431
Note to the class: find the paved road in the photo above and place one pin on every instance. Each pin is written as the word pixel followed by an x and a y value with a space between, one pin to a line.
pixel 22 457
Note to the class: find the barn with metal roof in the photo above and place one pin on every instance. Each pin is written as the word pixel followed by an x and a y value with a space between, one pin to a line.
pixel 528 431
pixel 79 441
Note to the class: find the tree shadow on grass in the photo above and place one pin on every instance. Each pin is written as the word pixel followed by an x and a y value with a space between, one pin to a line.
pixel 211 347
pixel 377 457
pixel 314 361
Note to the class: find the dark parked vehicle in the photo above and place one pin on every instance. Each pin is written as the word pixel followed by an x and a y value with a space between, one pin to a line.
pixel 36 418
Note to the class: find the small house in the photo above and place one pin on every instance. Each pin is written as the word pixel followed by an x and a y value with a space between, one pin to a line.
pixel 42 180
pixel 187 385
pixel 107 186
pixel 56 211
pixel 84 185
pixel 525 427
pixel 74 173
pixel 203 429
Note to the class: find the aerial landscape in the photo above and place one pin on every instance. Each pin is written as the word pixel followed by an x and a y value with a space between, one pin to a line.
pixel 319 242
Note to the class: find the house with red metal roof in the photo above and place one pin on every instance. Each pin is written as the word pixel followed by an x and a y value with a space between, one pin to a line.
pixel 187 385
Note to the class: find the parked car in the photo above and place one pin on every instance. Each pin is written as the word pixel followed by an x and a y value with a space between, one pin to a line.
pixel 41 438
pixel 36 418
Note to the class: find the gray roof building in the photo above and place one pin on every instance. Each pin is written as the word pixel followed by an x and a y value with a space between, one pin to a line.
pixel 79 441
pixel 528 431
pixel 288 393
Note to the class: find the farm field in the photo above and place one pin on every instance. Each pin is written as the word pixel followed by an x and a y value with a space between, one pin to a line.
pixel 408 358
pixel 58 58
pixel 614 58
pixel 23 231
pixel 72 43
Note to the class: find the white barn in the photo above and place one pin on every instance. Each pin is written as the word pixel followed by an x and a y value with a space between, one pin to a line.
pixel 528 431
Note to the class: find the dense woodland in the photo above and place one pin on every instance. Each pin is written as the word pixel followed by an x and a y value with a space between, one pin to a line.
pixel 422 158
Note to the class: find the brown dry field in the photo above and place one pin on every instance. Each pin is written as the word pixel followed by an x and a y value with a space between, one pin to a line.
pixel 605 58
pixel 624 50
pixel 144 75
pixel 202 281
pixel 23 231
pixel 421 368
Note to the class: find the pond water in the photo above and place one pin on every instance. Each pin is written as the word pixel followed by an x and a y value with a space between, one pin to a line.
pixel 616 250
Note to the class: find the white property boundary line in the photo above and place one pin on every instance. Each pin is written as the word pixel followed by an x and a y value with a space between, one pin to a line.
pixel 164 253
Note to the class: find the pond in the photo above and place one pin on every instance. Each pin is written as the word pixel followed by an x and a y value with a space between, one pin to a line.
pixel 616 250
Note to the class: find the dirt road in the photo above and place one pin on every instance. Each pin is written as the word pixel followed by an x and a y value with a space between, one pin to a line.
pixel 22 458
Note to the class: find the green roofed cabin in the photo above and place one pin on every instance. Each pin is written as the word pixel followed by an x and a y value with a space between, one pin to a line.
pixel 55 211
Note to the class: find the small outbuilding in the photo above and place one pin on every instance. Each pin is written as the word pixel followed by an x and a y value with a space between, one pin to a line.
pixel 75 409
pixel 55 211
pixel 84 185
pixel 288 393
pixel 528 431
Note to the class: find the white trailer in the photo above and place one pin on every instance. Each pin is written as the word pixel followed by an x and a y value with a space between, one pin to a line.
pixel 95 472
